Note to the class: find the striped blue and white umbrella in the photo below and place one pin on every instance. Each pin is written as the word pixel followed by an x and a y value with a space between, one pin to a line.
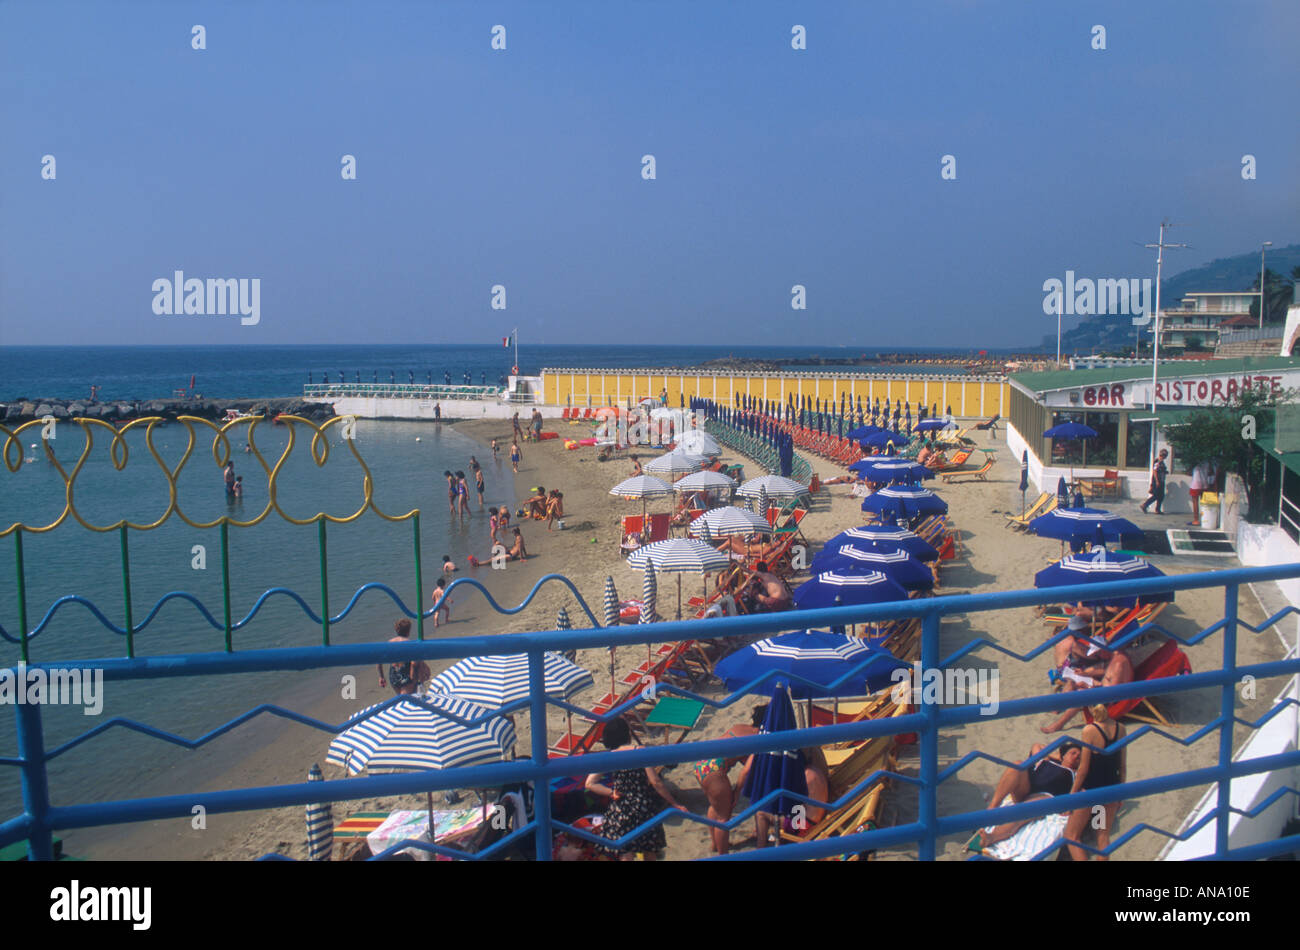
pixel 724 522
pixel 910 573
pixel 905 501
pixel 562 622
pixel 649 592
pixel 834 589
pixel 643 487
pixel 879 537
pixel 611 603
pixel 1082 524
pixel 679 556
pixel 704 481
pixel 675 464
pixel 320 824
pixel 493 681
pixel 888 471
pixel 776 486
pixel 813 655
pixel 1098 566
pixel 407 736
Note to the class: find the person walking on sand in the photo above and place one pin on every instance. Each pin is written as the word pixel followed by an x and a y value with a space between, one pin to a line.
pixel 514 421
pixel 515 456
pixel 496 451
pixel 1159 472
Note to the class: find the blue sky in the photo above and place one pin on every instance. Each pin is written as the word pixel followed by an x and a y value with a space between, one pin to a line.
pixel 522 167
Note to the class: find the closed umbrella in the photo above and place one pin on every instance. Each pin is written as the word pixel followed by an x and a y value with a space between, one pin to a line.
pixel 1024 480
pixel 777 771
pixel 320 823
pixel 612 619
pixel 562 622
pixel 1062 493
pixel 812 655
pixel 649 593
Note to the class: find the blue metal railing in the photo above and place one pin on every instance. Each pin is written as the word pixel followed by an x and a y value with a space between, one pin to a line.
pixel 40 819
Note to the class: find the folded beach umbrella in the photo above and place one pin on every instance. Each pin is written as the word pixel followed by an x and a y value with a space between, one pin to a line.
pixel 1098 566
pixel 776 486
pixel 777 771
pixel 407 736
pixel 1024 479
pixel 704 481
pixel 1062 493
pixel 611 603
pixel 727 521
pixel 813 655
pixel 890 471
pixel 320 823
pixel 879 537
pixel 905 501
pixel 562 622
pixel 1082 524
pixel 643 487
pixel 899 566
pixel 649 593
pixel 835 589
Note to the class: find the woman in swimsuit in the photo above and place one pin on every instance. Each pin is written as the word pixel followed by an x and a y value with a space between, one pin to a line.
pixel 1100 769
pixel 713 778
pixel 478 483
pixel 451 491
pixel 1058 774
pixel 462 493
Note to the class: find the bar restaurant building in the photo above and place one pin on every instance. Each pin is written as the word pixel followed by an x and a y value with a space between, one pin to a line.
pixel 1117 403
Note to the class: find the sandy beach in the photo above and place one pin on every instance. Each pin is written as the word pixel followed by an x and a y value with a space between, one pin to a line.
pixel 992 558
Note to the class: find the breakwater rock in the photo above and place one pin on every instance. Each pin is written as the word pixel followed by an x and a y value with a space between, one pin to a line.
pixel 117 411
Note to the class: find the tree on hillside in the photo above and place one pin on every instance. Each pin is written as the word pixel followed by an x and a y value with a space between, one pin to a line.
pixel 1277 295
pixel 1224 434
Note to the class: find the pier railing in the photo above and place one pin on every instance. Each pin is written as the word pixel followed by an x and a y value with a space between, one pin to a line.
pixel 398 391
pixel 930 722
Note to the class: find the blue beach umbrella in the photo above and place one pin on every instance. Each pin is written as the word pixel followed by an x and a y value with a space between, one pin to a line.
pixel 814 655
pixel 899 566
pixel 1082 524
pixel 777 771
pixel 836 589
pixel 1098 566
pixel 1073 432
pixel 861 432
pixel 320 823
pixel 1062 493
pixel 905 501
pixel 880 440
pixel 878 537
pixel 890 471
pixel 931 424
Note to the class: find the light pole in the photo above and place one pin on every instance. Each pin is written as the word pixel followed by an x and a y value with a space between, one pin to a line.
pixel 1155 339
pixel 1262 248
pixel 1058 328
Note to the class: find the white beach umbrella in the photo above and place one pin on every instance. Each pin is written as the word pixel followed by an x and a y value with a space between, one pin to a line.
pixel 698 442
pixel 729 521
pixel 675 463
pixel 704 481
pixel 776 486
pixel 643 487
pixel 408 736
pixel 679 556
pixel 494 681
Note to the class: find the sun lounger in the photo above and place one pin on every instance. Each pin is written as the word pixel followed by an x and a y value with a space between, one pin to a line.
pixel 1045 503
pixel 1169 660
pixel 979 474
pixel 991 425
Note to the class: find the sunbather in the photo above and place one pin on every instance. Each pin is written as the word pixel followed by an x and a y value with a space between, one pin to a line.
pixel 535 504
pixel 1082 664
pixel 1098 769
pixel 770 593
pixel 1056 774
pixel 517 552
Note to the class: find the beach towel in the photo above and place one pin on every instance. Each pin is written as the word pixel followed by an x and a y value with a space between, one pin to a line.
pixel 1030 840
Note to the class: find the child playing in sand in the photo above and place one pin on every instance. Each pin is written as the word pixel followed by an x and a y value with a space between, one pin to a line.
pixel 441 602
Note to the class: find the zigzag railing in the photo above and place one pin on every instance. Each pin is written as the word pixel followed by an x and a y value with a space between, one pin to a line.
pixel 40 818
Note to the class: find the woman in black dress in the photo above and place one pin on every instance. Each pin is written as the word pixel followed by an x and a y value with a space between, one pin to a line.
pixel 636 795
pixel 1100 769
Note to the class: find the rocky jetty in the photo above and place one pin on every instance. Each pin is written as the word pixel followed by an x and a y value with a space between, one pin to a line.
pixel 117 411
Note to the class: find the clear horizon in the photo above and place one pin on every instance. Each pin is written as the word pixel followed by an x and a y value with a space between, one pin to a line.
pixel 522 168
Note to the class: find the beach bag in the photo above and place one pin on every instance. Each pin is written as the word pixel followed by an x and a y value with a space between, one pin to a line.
pixel 399 675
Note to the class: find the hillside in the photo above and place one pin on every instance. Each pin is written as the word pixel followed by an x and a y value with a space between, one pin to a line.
pixel 1225 274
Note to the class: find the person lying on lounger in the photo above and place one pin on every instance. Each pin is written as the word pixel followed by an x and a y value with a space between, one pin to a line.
pixel 768 591
pixel 1081 664
pixel 1056 774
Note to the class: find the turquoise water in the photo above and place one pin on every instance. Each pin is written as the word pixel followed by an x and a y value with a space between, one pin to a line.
pixel 70 559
